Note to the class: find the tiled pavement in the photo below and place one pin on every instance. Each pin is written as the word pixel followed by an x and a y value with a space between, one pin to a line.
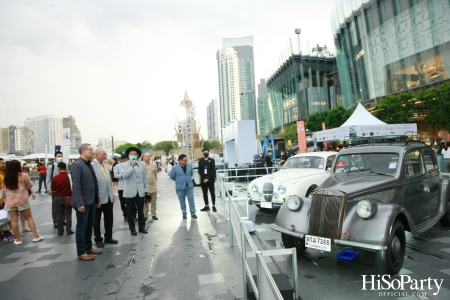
pixel 177 259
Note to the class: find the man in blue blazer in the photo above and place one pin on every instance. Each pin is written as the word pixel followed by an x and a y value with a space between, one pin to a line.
pixel 135 187
pixel 182 174
pixel 106 198
pixel 85 199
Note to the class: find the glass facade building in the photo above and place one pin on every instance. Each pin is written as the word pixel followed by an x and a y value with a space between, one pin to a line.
pixel 302 85
pixel 390 46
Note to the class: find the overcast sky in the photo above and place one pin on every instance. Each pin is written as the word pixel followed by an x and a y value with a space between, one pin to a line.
pixel 122 67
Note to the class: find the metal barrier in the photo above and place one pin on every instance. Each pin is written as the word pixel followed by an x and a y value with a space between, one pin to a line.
pixel 265 287
pixel 249 173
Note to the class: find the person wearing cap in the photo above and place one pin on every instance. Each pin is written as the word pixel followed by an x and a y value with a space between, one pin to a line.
pixel 135 187
pixel 117 172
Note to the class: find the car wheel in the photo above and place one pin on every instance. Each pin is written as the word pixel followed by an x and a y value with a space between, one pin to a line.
pixel 445 220
pixel 391 259
pixel 290 242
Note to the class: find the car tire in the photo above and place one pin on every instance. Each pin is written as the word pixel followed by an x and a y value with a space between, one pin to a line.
pixel 291 242
pixel 391 259
pixel 445 220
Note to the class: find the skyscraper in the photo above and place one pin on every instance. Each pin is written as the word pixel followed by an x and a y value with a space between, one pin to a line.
pixel 213 120
pixel 240 81
pixel 47 131
pixel 262 108
pixel 230 105
pixel 244 49
pixel 20 140
pixel 75 135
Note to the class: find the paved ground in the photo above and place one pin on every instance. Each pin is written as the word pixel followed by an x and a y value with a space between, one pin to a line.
pixel 178 259
pixel 192 259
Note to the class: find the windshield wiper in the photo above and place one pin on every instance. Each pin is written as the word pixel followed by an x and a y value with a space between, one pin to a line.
pixel 358 170
pixel 380 173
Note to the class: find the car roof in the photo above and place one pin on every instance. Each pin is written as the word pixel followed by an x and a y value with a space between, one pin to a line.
pixel 385 147
pixel 324 154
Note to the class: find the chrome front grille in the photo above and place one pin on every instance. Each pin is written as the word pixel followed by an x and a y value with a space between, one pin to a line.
pixel 327 213
pixel 268 191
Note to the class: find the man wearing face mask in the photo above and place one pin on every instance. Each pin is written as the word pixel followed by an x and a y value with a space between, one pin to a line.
pixel 135 187
pixel 207 171
pixel 52 171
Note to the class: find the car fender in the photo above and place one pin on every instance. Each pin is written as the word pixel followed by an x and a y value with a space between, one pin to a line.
pixel 376 229
pixel 300 218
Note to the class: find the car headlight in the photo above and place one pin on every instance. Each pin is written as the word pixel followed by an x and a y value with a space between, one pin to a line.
pixel 365 208
pixel 254 188
pixel 281 189
pixel 294 202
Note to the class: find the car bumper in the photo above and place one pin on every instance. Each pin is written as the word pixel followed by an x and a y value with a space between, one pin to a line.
pixel 338 242
pixel 257 201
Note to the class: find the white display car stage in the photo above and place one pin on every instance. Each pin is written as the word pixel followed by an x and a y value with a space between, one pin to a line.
pixel 300 175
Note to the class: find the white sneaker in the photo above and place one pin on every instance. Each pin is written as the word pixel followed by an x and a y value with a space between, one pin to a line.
pixel 40 238
pixel 17 242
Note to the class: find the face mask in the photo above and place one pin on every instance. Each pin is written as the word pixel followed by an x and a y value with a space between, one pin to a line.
pixel 59 159
pixel 132 157
pixel 205 154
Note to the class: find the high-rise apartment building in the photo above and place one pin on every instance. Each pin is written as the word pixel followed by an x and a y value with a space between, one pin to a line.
pixel 244 50
pixel 75 135
pixel 262 108
pixel 47 131
pixel 230 105
pixel 21 140
pixel 4 140
pixel 213 120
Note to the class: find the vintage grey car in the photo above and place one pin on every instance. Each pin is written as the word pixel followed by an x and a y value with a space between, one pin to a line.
pixel 374 194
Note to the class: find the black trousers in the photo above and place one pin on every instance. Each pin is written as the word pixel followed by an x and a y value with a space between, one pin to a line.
pixel 107 210
pixel 137 202
pixel 123 206
pixel 205 186
pixel 63 212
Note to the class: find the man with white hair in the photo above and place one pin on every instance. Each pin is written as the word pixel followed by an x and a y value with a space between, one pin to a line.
pixel 106 196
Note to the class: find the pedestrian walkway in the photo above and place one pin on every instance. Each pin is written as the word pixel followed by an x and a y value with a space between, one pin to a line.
pixel 177 259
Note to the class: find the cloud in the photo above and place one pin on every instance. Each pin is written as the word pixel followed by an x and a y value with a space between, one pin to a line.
pixel 122 67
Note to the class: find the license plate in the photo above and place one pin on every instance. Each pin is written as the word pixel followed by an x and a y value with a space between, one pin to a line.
pixel 266 204
pixel 317 242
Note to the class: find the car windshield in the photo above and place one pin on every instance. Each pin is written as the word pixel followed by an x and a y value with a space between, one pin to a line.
pixel 379 163
pixel 305 162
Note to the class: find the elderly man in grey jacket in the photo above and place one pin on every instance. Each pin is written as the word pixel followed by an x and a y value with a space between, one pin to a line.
pixel 135 187
pixel 85 198
pixel 106 198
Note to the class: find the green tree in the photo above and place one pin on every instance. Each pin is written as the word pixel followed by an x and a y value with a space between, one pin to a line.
pixel 118 150
pixel 144 144
pixel 395 109
pixel 437 102
pixel 290 133
pixel 210 144
pixel 332 117
pixel 163 145
pixel 337 116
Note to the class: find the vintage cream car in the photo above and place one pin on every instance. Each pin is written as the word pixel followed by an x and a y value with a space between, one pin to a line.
pixel 300 175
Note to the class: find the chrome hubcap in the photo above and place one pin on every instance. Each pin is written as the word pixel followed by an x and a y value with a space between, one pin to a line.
pixel 395 247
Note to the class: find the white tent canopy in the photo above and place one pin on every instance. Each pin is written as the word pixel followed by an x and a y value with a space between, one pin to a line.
pixel 363 124
pixel 362 117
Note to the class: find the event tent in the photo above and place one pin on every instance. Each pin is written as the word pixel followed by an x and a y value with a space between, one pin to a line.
pixel 363 124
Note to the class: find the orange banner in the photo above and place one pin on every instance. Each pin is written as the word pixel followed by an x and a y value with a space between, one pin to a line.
pixel 301 134
pixel 325 144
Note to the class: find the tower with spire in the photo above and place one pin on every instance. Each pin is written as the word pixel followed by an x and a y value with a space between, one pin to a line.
pixel 186 130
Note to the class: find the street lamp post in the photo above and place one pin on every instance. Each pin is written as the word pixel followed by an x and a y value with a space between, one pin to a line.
pixel 112 144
